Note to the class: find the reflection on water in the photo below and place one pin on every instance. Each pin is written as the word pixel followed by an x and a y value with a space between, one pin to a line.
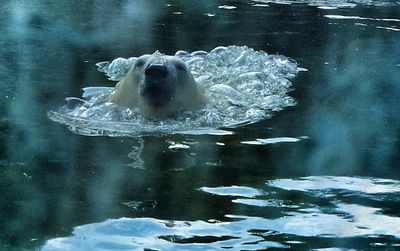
pixel 328 217
pixel 238 188
pixel 271 141
pixel 390 24
pixel 232 191
pixel 369 186
pixel 333 4
pixel 152 234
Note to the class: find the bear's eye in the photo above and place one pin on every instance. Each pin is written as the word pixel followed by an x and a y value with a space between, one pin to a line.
pixel 180 66
pixel 139 63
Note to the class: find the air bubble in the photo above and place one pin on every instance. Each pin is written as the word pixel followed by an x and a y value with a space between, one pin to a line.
pixel 241 86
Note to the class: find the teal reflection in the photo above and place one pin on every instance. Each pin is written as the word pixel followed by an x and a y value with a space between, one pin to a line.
pixel 233 191
pixel 148 233
pixel 338 219
pixel 52 180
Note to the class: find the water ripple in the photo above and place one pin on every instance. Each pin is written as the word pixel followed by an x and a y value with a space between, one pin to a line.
pixel 241 86
pixel 333 4
pixel 242 191
pixel 358 184
pixel 297 214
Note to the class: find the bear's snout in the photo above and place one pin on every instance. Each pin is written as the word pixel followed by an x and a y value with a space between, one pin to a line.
pixel 156 70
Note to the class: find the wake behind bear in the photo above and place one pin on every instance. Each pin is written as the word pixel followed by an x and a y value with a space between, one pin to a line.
pixel 158 85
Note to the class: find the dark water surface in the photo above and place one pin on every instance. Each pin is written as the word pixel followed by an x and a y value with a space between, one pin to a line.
pixel 321 174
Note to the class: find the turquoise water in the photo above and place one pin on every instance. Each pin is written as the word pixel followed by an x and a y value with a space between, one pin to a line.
pixel 320 174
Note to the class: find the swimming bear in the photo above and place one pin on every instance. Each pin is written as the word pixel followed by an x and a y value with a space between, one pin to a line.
pixel 158 85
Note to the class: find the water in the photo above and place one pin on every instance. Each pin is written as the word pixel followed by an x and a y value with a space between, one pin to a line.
pixel 323 210
pixel 322 174
pixel 241 86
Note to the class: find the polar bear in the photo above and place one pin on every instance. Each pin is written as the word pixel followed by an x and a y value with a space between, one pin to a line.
pixel 158 85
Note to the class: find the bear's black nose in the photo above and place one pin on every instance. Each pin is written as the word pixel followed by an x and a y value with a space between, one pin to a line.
pixel 156 70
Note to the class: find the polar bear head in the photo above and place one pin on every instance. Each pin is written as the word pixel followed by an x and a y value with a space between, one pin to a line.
pixel 158 85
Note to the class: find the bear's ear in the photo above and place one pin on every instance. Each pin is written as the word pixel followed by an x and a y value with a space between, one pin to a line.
pixel 141 61
pixel 180 66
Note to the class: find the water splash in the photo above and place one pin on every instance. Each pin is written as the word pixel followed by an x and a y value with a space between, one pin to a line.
pixel 241 85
